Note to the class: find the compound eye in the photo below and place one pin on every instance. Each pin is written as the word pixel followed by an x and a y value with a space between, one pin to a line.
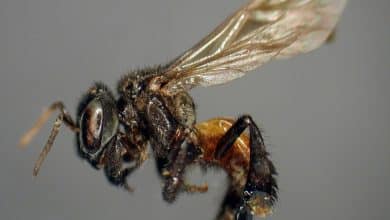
pixel 91 125
pixel 98 124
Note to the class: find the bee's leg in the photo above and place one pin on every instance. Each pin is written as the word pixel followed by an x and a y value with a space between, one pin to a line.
pixel 232 208
pixel 260 191
pixel 192 188
pixel 332 36
pixel 170 130
pixel 187 187
pixel 177 160
pixel 112 160
pixel 185 152
pixel 63 117
pixel 193 153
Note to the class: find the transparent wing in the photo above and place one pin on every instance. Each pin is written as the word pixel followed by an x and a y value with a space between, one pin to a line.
pixel 260 31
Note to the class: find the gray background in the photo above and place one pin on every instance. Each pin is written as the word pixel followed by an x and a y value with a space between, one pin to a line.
pixel 325 114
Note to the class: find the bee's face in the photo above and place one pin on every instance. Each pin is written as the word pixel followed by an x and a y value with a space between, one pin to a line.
pixel 98 121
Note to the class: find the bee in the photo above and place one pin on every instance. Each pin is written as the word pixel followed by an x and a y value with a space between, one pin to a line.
pixel 153 106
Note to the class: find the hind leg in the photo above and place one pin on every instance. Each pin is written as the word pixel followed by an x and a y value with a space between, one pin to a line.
pixel 260 191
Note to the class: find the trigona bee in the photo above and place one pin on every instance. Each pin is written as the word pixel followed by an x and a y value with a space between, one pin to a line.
pixel 152 106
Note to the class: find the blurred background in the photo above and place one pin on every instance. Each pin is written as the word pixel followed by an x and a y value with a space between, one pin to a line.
pixel 325 114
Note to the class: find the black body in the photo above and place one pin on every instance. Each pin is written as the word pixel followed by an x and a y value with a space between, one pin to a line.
pixel 153 107
pixel 167 123
pixel 113 133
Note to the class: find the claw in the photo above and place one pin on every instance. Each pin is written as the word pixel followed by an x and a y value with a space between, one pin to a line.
pixel 195 188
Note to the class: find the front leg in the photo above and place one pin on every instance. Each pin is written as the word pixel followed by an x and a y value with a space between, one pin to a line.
pixel 113 157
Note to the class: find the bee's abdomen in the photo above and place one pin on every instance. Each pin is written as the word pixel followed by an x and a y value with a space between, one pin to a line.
pixel 236 160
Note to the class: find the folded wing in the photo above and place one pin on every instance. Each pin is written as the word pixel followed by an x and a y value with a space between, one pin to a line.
pixel 260 31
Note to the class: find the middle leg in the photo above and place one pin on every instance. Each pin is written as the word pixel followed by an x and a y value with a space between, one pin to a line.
pixel 184 153
pixel 170 132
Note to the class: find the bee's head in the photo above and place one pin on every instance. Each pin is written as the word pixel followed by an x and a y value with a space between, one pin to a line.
pixel 98 121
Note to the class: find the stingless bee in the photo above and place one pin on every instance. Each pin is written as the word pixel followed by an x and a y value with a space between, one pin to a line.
pixel 153 106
